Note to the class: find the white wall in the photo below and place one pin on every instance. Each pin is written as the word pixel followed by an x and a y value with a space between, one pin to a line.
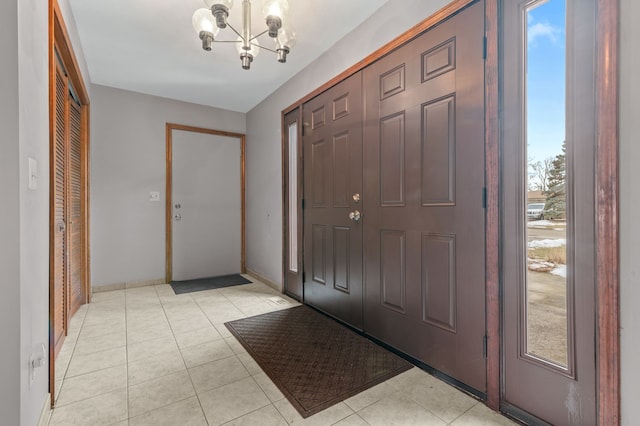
pixel 629 208
pixel 10 217
pixel 128 154
pixel 264 165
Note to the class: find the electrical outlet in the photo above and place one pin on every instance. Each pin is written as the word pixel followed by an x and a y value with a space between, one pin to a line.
pixel 36 360
pixel 33 173
pixel 154 196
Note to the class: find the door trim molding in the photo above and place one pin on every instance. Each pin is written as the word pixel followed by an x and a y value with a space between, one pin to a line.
pixel 607 213
pixel 58 39
pixel 170 127
pixel 492 217
pixel 447 11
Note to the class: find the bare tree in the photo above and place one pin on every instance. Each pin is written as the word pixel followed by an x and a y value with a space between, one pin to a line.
pixel 539 174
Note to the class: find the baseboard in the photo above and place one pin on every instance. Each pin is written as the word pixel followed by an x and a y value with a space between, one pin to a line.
pixel 265 280
pixel 45 414
pixel 128 284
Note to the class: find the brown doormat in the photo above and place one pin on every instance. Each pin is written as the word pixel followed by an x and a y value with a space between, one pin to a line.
pixel 315 361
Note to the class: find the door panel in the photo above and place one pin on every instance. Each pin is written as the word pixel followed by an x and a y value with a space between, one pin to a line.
pixel 540 382
pixel 59 194
pixel 75 207
pixel 206 203
pixel 423 198
pixel 332 145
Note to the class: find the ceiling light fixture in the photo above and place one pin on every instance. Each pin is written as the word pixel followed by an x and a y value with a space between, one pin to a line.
pixel 210 20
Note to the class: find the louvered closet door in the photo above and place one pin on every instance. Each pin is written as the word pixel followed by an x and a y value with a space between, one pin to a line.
pixel 59 263
pixel 75 207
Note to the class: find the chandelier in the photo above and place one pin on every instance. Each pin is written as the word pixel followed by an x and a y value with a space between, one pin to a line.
pixel 210 20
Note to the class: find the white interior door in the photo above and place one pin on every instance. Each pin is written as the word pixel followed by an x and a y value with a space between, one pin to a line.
pixel 206 205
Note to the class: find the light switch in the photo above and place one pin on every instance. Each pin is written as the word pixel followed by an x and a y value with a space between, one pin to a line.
pixel 154 196
pixel 33 173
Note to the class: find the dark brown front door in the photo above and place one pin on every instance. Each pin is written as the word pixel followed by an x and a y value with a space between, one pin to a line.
pixel 332 145
pixel 423 198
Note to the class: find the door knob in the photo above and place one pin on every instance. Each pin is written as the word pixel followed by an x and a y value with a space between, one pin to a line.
pixel 177 216
pixel 356 197
pixel 355 215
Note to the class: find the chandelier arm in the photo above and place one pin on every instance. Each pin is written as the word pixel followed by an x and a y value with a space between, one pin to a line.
pixel 234 30
pixel 265 48
pixel 227 41
pixel 256 36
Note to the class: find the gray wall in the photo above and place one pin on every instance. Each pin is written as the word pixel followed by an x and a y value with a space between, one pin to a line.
pixel 9 235
pixel 34 204
pixel 128 152
pixel 630 206
pixel 264 165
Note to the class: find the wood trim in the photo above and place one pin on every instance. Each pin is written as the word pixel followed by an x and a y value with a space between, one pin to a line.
pixel 492 183
pixel 607 212
pixel 168 198
pixel 450 9
pixel 85 206
pixel 170 127
pixel 284 160
pixel 52 105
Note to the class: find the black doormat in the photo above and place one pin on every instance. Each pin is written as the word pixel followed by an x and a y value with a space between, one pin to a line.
pixel 315 361
pixel 200 284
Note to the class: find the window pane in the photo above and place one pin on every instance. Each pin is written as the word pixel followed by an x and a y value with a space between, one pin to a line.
pixel 546 283
pixel 293 197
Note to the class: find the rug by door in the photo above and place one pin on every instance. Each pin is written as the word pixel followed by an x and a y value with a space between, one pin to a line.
pixel 315 361
pixel 201 284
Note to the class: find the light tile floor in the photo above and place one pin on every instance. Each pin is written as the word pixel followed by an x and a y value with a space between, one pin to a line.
pixel 145 356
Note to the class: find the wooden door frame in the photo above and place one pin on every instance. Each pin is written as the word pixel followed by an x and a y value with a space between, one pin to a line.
pixel 59 41
pixel 607 327
pixel 170 127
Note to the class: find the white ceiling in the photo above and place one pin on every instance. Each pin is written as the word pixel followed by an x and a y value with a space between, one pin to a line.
pixel 149 46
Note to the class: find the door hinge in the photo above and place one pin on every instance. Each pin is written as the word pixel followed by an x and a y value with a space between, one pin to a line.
pixel 484 197
pixel 484 47
pixel 484 346
pixel 302 204
pixel 303 277
pixel 302 129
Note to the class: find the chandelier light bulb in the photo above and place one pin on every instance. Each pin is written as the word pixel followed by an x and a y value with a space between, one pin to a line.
pixel 226 3
pixel 278 8
pixel 203 21
pixel 274 12
pixel 204 25
pixel 285 42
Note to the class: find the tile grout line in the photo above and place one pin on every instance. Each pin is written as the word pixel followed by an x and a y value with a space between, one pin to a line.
pixel 181 357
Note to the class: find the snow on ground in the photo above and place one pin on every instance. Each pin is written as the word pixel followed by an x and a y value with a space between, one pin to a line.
pixel 541 223
pixel 547 243
pixel 560 270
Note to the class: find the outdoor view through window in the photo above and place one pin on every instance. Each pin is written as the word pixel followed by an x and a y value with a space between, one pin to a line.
pixel 545 99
